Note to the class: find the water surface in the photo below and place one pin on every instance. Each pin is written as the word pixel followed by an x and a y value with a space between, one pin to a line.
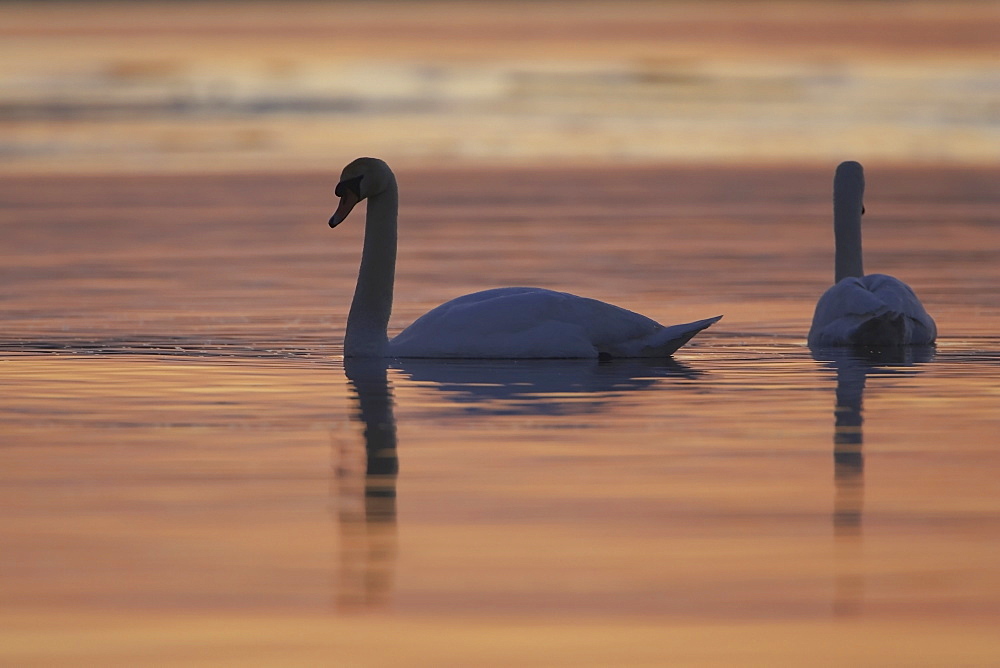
pixel 191 475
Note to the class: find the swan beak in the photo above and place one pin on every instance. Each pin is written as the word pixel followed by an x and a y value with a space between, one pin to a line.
pixel 347 202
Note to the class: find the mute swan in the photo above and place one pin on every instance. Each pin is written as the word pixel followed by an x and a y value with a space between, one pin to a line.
pixel 859 310
pixel 500 323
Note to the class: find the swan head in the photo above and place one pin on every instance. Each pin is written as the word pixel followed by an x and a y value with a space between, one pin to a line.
pixel 361 179
pixel 849 185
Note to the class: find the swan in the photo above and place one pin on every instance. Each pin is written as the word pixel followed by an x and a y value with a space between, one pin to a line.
pixel 502 323
pixel 859 310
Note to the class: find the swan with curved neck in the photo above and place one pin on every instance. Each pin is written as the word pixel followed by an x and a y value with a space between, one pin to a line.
pixel 503 323
pixel 859 310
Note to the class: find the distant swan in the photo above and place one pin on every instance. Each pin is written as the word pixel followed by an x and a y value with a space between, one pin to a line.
pixel 859 310
pixel 503 323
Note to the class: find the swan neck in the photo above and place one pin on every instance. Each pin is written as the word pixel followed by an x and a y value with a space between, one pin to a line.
pixel 372 304
pixel 847 204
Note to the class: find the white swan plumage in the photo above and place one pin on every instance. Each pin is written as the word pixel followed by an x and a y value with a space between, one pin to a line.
pixel 859 310
pixel 502 323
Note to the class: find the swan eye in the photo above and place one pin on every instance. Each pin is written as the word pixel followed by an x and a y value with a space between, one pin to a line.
pixel 352 185
pixel 862 209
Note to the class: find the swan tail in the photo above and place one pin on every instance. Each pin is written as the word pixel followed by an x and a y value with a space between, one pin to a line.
pixel 880 330
pixel 665 342
pixel 886 329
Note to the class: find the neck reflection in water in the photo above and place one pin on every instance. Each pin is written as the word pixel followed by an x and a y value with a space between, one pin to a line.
pixel 853 367
pixel 366 488
pixel 366 493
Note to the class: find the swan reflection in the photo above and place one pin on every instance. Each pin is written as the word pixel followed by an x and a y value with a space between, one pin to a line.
pixel 366 493
pixel 853 366
pixel 538 387
pixel 366 477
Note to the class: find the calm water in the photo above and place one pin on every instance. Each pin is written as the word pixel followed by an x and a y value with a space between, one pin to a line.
pixel 189 474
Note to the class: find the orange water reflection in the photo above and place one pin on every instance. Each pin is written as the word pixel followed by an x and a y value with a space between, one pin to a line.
pixel 852 368
pixel 703 498
pixel 188 474
pixel 366 493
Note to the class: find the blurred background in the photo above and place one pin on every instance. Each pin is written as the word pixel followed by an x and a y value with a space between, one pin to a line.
pixel 195 86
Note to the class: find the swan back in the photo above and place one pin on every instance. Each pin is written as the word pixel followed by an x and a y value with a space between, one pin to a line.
pixel 518 322
pixel 876 310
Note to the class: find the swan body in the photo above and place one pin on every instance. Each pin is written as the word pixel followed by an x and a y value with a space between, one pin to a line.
pixel 537 323
pixel 860 310
pixel 502 323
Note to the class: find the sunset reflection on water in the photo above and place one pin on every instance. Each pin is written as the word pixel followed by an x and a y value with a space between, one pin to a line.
pixel 192 448
pixel 191 475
